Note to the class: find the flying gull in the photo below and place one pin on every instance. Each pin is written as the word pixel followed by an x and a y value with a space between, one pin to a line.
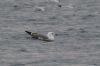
pixel 48 37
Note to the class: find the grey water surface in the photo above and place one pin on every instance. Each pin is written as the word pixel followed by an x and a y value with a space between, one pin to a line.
pixel 76 23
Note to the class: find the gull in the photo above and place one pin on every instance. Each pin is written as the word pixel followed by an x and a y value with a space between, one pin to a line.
pixel 48 37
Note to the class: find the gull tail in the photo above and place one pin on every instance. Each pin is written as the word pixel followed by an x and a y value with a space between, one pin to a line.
pixel 28 32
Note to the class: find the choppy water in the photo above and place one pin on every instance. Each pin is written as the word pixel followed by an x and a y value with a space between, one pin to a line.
pixel 78 33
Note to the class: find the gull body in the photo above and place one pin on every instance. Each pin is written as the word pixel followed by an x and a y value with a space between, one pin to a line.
pixel 48 37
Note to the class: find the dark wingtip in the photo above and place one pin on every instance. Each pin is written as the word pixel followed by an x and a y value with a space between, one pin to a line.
pixel 28 32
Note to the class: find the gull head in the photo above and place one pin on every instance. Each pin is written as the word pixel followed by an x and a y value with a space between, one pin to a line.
pixel 51 35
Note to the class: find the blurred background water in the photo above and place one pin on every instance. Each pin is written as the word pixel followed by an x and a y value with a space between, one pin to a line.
pixel 76 23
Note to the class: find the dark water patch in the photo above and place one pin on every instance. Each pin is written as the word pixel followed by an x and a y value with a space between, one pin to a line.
pixel 22 50
pixel 35 19
pixel 95 64
pixel 68 61
pixel 77 48
pixel 38 62
pixel 97 26
pixel 42 23
pixel 75 30
pixel 70 29
pixel 17 64
pixel 62 34
pixel 53 17
pixel 6 4
pixel 88 36
pixel 69 17
pixel 13 38
pixel 81 34
pixel 97 46
pixel 5 42
pixel 29 38
pixel 89 16
pixel 82 30
pixel 20 5
pixel 18 37
pixel 16 7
